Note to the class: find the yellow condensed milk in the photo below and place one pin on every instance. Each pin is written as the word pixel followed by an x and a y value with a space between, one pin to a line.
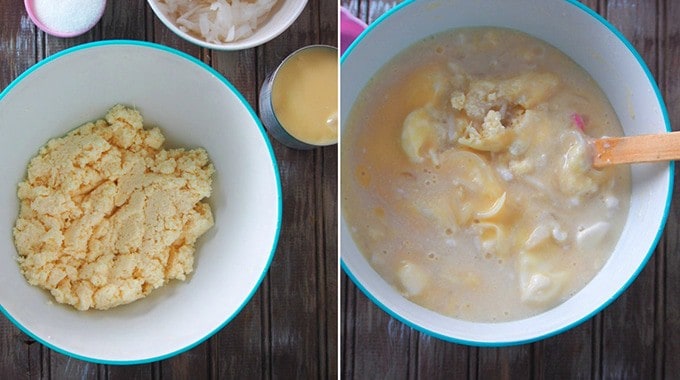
pixel 299 101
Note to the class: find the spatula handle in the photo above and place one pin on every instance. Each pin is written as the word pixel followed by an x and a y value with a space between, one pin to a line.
pixel 633 149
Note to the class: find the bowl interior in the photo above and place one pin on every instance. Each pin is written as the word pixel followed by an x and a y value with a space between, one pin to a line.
pixel 281 16
pixel 612 62
pixel 194 107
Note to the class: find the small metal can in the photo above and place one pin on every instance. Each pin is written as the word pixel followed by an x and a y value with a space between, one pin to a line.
pixel 268 113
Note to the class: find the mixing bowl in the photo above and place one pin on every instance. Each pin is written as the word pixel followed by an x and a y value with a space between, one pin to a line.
pixel 194 106
pixel 611 60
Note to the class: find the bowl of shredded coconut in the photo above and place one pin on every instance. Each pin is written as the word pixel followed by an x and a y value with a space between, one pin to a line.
pixel 228 24
pixel 141 206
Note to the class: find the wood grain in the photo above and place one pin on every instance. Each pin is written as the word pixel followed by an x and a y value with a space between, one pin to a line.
pixel 289 328
pixel 629 324
pixel 636 337
pixel 667 339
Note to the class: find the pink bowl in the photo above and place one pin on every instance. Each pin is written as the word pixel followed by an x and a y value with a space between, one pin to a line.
pixel 350 28
pixel 86 21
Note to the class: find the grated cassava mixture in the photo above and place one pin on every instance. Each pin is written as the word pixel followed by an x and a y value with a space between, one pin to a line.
pixel 107 215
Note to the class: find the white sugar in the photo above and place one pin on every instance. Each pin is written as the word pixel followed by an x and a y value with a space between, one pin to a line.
pixel 68 16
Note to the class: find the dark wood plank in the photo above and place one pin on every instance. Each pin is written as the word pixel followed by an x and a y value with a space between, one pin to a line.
pixel 20 356
pixel 19 48
pixel 63 367
pixel 125 19
pixel 51 45
pixel 348 319
pixel 194 363
pixel 358 8
pixel 328 271
pixel 505 363
pixel 229 358
pixel 292 276
pixel 567 355
pixel 327 200
pixel 328 23
pixel 129 372
pixel 668 296
pixel 447 360
pixel 381 344
pixel 377 8
pixel 629 324
pixel 240 69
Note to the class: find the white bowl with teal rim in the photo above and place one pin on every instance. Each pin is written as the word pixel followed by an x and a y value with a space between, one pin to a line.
pixel 622 74
pixel 194 106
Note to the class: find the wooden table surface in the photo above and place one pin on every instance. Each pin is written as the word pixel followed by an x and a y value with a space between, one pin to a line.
pixel 636 337
pixel 289 328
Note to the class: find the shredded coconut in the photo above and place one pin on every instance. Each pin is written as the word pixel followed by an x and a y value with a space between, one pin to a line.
pixel 217 21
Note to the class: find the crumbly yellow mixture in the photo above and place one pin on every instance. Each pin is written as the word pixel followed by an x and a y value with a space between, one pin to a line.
pixel 107 215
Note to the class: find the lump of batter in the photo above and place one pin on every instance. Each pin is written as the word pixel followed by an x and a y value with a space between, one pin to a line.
pixel 107 215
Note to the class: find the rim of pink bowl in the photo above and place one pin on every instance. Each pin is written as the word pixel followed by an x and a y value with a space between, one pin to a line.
pixel 350 28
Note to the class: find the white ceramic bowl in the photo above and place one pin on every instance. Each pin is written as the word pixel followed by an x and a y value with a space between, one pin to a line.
pixel 280 18
pixel 598 47
pixel 194 106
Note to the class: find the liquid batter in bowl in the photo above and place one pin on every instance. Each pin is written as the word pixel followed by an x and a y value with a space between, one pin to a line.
pixel 466 180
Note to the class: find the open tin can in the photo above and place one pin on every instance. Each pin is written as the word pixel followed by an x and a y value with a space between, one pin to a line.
pixel 299 100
